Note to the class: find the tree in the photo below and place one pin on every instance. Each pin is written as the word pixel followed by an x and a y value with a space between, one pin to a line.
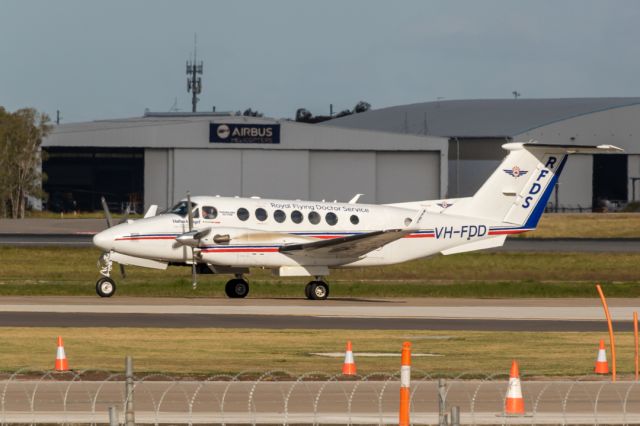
pixel 303 115
pixel 361 106
pixel 21 134
pixel 251 113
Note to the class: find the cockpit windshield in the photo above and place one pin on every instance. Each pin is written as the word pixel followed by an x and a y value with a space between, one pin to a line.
pixel 181 209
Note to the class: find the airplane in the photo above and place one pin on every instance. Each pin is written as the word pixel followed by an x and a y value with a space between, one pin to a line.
pixel 229 235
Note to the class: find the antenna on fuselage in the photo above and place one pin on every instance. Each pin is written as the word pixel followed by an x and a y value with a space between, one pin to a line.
pixel 355 199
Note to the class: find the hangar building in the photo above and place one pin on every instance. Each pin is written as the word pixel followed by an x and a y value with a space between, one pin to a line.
pixel 477 128
pixel 155 159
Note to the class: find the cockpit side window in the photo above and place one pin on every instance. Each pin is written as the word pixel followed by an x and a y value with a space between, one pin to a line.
pixel 181 209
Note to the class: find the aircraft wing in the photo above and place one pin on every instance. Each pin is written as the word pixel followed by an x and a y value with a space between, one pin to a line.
pixel 348 247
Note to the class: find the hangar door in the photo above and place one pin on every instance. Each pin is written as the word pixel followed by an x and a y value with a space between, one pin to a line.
pixel 383 177
pixel 407 176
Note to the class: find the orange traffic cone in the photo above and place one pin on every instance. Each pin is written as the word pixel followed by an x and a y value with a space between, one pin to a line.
pixel 602 366
pixel 514 403
pixel 61 357
pixel 349 366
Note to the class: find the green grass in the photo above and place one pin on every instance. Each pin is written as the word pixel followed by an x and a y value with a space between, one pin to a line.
pixel 200 352
pixel 72 271
pixel 587 225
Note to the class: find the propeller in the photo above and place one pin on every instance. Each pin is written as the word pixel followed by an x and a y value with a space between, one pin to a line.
pixel 194 278
pixel 107 216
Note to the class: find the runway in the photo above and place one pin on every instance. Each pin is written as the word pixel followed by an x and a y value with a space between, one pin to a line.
pixel 382 314
pixel 566 245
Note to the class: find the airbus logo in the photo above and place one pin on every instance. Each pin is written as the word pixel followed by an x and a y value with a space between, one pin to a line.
pixel 223 131
pixel 516 172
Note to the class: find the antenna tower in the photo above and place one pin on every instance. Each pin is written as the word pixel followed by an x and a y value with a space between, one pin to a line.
pixel 194 83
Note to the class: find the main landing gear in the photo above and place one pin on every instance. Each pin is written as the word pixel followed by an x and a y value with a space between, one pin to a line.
pixel 237 288
pixel 317 290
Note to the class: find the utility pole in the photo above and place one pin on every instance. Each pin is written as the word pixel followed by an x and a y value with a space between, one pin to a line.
pixel 57 116
pixel 194 83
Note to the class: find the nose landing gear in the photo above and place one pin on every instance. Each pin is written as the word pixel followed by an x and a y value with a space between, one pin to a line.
pixel 105 286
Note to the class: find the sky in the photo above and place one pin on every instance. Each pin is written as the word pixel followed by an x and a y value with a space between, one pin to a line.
pixel 97 60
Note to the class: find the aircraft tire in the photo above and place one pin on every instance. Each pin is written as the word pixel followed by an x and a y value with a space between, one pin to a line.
pixel 319 290
pixel 105 287
pixel 307 290
pixel 236 288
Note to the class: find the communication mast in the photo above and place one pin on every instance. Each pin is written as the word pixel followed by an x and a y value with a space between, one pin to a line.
pixel 194 83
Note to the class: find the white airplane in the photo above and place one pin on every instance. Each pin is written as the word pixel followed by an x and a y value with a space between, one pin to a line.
pixel 309 238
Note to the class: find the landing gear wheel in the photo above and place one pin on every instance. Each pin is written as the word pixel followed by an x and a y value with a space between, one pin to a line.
pixel 307 290
pixel 105 287
pixel 318 290
pixel 236 288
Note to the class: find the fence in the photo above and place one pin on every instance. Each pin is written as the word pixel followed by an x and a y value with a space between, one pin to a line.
pixel 277 397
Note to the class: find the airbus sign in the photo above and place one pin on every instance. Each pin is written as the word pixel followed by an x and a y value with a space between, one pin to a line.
pixel 244 133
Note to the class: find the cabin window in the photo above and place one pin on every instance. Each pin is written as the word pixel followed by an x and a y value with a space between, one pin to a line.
pixel 314 218
pixel 331 218
pixel 261 214
pixel 296 216
pixel 279 216
pixel 196 213
pixel 407 221
pixel 354 219
pixel 209 212
pixel 243 214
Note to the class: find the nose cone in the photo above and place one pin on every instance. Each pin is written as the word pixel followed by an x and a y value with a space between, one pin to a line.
pixel 104 240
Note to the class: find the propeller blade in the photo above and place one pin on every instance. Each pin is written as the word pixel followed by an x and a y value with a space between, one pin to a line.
pixel 127 210
pixel 122 271
pixel 107 213
pixel 194 276
pixel 189 211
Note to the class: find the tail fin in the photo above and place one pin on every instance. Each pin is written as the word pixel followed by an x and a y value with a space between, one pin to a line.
pixel 518 191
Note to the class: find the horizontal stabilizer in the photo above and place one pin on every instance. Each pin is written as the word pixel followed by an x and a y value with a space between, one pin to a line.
pixel 563 149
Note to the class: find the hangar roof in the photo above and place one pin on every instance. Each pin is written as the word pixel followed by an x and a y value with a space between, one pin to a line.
pixel 477 118
pixel 186 130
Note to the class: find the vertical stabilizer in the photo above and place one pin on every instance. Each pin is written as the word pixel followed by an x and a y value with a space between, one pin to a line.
pixel 519 189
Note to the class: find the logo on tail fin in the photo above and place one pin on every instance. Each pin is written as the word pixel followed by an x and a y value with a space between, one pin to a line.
pixel 516 172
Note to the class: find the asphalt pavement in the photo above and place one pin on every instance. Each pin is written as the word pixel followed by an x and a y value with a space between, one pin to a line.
pixel 382 314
